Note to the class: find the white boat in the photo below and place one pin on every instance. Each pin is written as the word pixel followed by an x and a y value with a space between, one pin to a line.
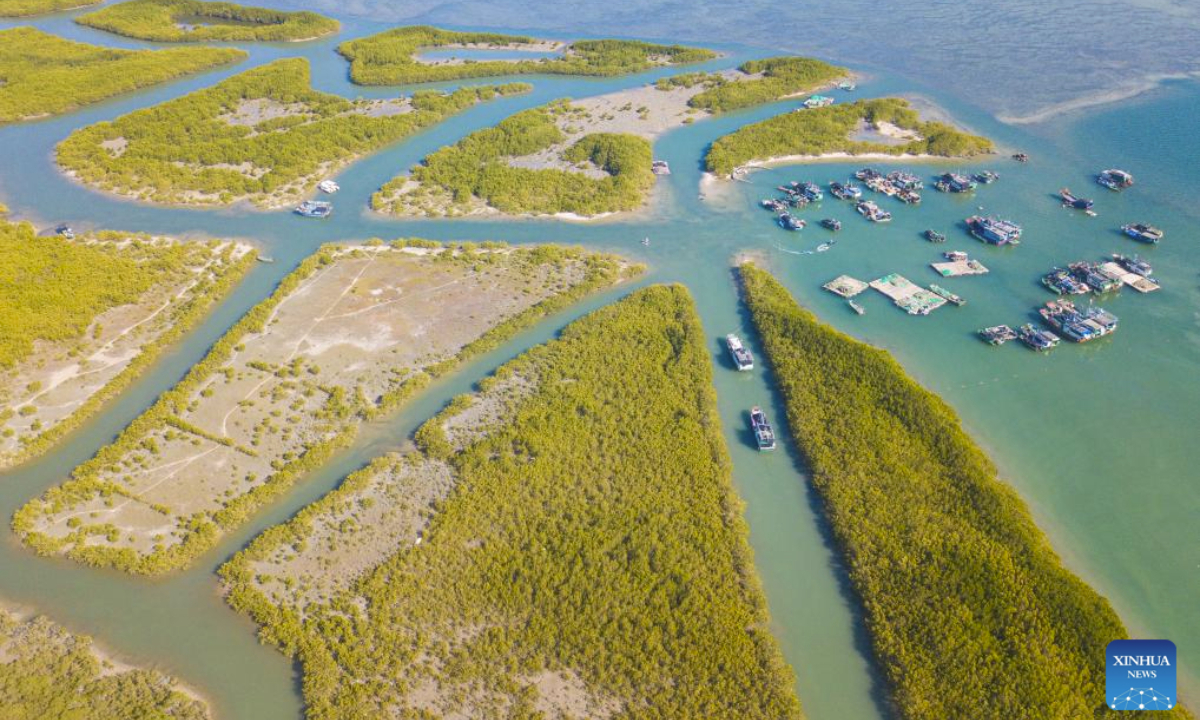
pixel 328 187
pixel 740 354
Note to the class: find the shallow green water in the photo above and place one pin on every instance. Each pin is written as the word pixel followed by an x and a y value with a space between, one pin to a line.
pixel 1099 439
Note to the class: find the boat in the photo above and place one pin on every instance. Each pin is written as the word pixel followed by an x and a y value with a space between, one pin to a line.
pixel 909 197
pixel 1037 339
pixel 774 205
pixel 314 209
pixel 1134 264
pixel 1060 282
pixel 788 221
pixel 824 247
pixel 872 212
pixel 867 173
pixel 65 231
pixel 846 85
pixel 905 180
pixel 660 167
pixel 954 183
pixel 998 334
pixel 1021 157
pixel 951 297
pixel 831 224
pixel 956 255
pixel 934 236
pixel 812 191
pixel 994 231
pixel 985 177
pixel 856 307
pixel 818 101
pixel 845 191
pixel 764 436
pixel 1071 201
pixel 742 359
pixel 1076 326
pixel 1096 279
pixel 265 259
pixel 646 242
pixel 328 187
pixel 1143 233
pixel 1114 179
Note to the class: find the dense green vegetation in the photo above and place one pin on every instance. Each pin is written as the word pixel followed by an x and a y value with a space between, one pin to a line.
pixel 477 169
pixel 46 673
pixel 264 134
pixel 340 415
pixel 52 289
pixel 830 129
pixel 389 58
pixel 23 8
pixel 780 78
pixel 593 532
pixel 200 21
pixel 970 612
pixel 42 74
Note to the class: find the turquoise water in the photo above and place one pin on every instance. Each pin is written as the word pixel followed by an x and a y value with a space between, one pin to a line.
pixel 1098 439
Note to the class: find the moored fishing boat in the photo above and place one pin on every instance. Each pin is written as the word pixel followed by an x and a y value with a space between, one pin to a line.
pixel 831 224
pixel 951 297
pixel 1114 179
pixel 314 209
pixel 1060 282
pixel 994 231
pixel 788 221
pixel 909 197
pixel 845 191
pixel 985 177
pixel 905 180
pixel 328 187
pixel 1037 339
pixel 1070 200
pixel 1092 274
pixel 858 309
pixel 998 334
pixel 934 236
pixel 867 173
pixel 1134 264
pixel 1143 232
pixel 873 212
pixel 743 360
pixel 764 434
pixel 954 183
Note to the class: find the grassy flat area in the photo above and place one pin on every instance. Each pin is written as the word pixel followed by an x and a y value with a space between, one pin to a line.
pixel 833 129
pixel 569 545
pixel 348 336
pixel 569 170
pixel 46 75
pixel 971 613
pixel 392 57
pixel 48 672
pixel 81 318
pixel 199 21
pixel 264 136
pixel 756 82
pixel 25 8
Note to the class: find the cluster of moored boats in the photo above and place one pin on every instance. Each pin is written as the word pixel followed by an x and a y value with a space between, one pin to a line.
pixel 743 360
pixel 1064 319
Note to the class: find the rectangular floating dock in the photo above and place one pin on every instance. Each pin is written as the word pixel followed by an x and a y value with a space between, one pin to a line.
pixel 910 298
pixel 1133 280
pixel 959 267
pixel 845 286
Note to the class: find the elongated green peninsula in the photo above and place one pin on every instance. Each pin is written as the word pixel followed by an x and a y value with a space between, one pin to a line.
pixel 81 318
pixel 48 672
pixel 25 8
pixel 200 21
pixel 971 614
pixel 43 75
pixel 393 57
pixel 565 543
pixel 263 136
pixel 348 336
pixel 887 126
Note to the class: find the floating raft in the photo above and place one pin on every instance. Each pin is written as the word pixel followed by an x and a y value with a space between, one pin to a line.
pixel 845 286
pixel 907 296
pixel 1133 280
pixel 957 268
